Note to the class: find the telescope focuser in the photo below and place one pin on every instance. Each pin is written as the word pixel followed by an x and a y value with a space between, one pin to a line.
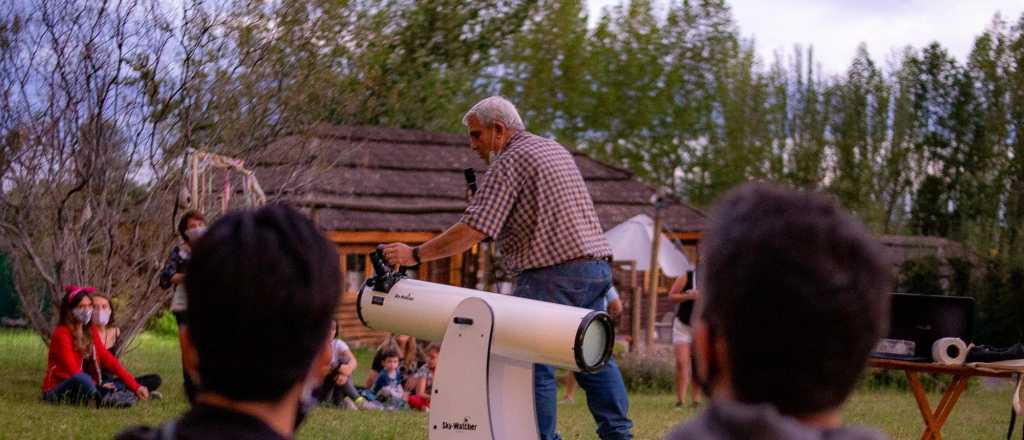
pixel 383 277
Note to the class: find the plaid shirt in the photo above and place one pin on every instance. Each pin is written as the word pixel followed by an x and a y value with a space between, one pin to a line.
pixel 534 203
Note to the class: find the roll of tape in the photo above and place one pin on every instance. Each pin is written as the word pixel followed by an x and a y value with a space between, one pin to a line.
pixel 949 351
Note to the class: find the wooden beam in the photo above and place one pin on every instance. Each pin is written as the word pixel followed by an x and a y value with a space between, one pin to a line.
pixel 377 237
pixel 691 235
pixel 455 269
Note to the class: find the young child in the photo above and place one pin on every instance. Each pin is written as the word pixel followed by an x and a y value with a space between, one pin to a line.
pixel 388 386
pixel 424 379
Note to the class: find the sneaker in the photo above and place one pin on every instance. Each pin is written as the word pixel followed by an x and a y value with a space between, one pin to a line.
pixel 349 404
pixel 368 404
pixel 156 395
pixel 117 399
pixel 567 400
pixel 680 406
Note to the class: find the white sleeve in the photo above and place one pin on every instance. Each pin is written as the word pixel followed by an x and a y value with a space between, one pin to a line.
pixel 340 346
pixel 612 294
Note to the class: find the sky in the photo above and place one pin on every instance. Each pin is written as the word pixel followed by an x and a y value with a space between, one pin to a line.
pixel 837 27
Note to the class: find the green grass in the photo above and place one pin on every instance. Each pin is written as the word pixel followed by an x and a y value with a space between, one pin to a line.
pixel 981 413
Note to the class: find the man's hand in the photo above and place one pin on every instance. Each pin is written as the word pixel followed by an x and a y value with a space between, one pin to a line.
pixel 142 393
pixel 399 254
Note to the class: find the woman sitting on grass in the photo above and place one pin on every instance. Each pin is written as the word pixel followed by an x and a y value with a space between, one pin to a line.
pixel 72 341
pixel 103 320
pixel 337 387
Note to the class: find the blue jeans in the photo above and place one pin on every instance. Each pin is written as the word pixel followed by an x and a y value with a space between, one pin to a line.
pixel 580 284
pixel 75 389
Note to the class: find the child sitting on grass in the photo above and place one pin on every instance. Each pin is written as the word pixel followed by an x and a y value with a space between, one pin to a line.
pixel 424 380
pixel 388 386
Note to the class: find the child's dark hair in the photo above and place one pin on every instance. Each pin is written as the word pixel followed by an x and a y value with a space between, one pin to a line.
pixel 388 354
pixel 183 223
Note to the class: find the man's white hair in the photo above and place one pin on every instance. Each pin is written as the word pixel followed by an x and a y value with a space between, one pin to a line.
pixel 495 109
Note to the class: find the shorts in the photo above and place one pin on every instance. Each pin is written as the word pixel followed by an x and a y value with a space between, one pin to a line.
pixel 680 332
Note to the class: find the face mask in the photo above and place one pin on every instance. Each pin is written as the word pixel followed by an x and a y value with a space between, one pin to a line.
pixel 82 315
pixel 194 233
pixel 103 317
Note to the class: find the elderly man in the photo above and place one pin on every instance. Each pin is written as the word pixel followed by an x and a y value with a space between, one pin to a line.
pixel 534 203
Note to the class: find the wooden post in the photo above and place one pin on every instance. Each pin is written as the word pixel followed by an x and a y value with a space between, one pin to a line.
pixel 636 302
pixel 652 272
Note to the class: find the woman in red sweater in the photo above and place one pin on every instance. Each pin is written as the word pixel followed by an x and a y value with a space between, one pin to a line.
pixel 72 341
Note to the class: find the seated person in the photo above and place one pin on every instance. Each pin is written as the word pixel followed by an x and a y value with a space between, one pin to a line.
pixel 793 299
pixel 73 340
pixel 390 344
pixel 338 383
pixel 408 354
pixel 388 387
pixel 103 320
pixel 424 380
pixel 261 281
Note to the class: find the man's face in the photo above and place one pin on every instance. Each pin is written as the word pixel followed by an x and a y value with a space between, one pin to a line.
pixel 485 140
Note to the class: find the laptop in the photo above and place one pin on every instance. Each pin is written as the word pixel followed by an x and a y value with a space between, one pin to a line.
pixel 917 321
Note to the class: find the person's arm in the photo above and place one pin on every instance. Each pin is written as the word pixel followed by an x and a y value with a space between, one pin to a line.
pixel 676 294
pixel 63 350
pixel 615 308
pixel 350 366
pixel 169 275
pixel 382 380
pixel 110 363
pixel 484 217
pixel 421 387
pixel 456 240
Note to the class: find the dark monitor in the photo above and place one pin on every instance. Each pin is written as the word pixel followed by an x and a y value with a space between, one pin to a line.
pixel 923 319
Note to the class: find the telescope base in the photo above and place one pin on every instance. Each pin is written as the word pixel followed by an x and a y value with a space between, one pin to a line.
pixel 477 394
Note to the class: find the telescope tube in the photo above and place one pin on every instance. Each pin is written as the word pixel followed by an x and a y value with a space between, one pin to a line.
pixel 528 330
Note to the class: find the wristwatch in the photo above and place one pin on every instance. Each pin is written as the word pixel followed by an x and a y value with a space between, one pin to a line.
pixel 416 254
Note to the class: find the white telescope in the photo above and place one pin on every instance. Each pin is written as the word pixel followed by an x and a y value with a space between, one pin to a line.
pixel 483 387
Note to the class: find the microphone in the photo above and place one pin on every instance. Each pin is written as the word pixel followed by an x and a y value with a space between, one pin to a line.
pixel 470 175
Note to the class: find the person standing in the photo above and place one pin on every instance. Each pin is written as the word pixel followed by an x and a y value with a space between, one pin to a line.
pixel 682 338
pixel 534 203
pixel 191 226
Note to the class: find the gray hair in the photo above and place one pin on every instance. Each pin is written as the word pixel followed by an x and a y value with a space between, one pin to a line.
pixel 495 109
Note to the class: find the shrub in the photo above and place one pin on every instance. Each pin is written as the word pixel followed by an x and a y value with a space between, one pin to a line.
pixel 647 374
pixel 163 324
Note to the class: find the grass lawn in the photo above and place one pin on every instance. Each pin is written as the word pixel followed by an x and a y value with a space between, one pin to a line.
pixel 981 413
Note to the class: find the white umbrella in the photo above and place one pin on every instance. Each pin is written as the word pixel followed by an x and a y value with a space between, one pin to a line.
pixel 632 239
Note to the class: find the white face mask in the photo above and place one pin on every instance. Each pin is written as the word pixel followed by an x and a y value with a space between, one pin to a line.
pixel 82 315
pixel 194 233
pixel 103 317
